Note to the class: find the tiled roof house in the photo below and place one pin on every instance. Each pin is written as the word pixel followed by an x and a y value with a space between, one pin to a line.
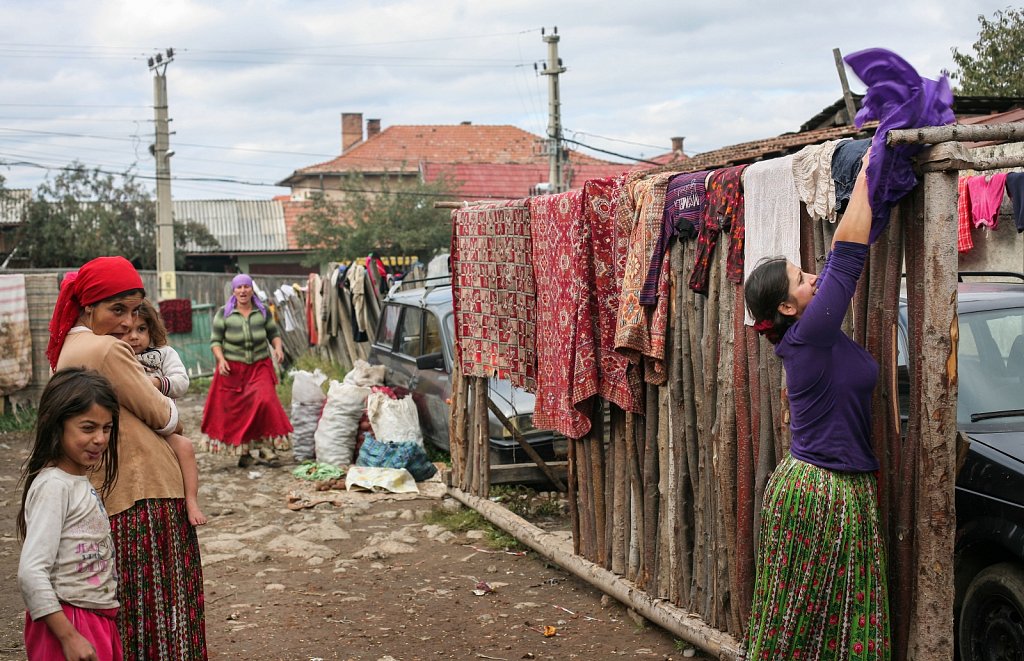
pixel 487 162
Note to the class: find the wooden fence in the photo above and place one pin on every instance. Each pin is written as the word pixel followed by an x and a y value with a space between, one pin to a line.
pixel 665 506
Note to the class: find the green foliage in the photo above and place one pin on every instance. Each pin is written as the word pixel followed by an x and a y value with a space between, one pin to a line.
pixel 23 420
pixel 80 214
pixel 308 361
pixel 392 216
pixel 996 68
pixel 466 519
pixel 523 501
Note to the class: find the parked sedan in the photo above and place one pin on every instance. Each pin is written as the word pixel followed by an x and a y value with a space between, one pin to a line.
pixel 989 552
pixel 416 342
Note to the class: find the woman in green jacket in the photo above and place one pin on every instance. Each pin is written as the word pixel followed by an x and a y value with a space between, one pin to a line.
pixel 243 415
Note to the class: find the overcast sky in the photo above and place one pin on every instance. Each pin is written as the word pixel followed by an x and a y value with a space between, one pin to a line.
pixel 256 88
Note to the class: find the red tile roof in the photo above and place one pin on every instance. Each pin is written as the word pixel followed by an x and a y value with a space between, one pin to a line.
pixel 408 147
pixel 510 181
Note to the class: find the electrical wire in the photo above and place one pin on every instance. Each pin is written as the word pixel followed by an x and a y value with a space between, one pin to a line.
pixel 610 153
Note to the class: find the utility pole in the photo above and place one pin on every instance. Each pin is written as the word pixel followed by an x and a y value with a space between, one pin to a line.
pixel 552 69
pixel 164 220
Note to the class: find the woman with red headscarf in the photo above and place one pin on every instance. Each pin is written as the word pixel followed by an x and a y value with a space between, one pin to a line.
pixel 160 577
pixel 243 415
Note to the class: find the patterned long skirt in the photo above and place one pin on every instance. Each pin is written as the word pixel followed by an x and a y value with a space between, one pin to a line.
pixel 160 582
pixel 820 590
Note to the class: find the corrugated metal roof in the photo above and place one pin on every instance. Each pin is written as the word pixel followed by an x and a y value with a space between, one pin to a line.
pixel 239 225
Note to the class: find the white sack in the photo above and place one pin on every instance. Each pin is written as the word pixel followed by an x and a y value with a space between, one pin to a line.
pixel 335 437
pixel 394 420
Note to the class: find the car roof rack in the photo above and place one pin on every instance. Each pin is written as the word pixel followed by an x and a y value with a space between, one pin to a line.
pixel 991 274
pixel 426 290
pixel 982 274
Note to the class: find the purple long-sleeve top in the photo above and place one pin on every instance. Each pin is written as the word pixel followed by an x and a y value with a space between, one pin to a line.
pixel 830 377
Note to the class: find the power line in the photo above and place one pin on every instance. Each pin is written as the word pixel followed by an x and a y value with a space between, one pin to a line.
pixel 610 153
pixel 627 142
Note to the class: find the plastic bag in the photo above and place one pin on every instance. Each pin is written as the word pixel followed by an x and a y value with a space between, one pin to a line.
pixel 394 420
pixel 395 480
pixel 366 375
pixel 335 436
pixel 406 454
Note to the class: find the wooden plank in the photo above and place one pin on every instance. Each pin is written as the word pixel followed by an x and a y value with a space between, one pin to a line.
pixel 523 443
pixel 519 473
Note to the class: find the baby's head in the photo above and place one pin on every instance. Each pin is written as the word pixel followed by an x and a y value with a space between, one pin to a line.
pixel 147 330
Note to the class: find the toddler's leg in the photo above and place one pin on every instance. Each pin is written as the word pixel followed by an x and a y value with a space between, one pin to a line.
pixel 190 476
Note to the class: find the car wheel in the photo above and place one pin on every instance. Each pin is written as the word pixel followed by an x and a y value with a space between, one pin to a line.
pixel 992 616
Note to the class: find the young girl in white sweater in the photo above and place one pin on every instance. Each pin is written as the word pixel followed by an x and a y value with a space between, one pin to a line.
pixel 66 570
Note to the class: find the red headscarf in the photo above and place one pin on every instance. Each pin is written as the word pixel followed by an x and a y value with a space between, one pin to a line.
pixel 98 279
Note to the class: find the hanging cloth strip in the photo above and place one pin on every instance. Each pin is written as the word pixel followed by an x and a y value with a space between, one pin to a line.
pixel 607 260
pixel 724 206
pixel 812 172
pixel 493 292
pixel 899 99
pixel 986 198
pixel 685 200
pixel 1015 189
pixel 964 241
pixel 566 356
pixel 772 214
pixel 640 330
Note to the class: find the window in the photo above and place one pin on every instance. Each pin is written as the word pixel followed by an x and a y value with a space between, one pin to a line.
pixel 388 325
pixel 431 335
pixel 410 336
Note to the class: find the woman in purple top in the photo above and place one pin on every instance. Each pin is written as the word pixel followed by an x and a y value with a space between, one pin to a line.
pixel 820 590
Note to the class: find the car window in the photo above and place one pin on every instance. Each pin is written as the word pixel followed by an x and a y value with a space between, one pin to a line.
pixel 431 334
pixel 411 332
pixel 991 362
pixel 389 325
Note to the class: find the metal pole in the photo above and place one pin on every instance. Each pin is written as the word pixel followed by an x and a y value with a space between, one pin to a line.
pixel 554 143
pixel 164 221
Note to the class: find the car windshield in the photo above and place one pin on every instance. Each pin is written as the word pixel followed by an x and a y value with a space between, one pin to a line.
pixel 991 365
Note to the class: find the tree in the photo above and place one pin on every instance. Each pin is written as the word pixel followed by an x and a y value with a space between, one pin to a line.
pixel 394 219
pixel 997 66
pixel 81 214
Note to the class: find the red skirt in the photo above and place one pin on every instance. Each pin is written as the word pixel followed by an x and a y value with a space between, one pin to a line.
pixel 97 626
pixel 242 406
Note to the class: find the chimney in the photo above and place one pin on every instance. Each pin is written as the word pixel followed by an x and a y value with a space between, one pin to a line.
pixel 677 144
pixel 372 128
pixel 351 130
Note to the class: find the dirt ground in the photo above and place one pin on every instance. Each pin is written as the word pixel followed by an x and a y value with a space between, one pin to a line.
pixel 362 577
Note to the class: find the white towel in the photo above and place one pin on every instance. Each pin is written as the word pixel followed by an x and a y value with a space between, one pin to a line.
pixel 812 171
pixel 771 215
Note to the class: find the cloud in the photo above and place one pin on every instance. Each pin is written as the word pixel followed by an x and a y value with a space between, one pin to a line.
pixel 253 79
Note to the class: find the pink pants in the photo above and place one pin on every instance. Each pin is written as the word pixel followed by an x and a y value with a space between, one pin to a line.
pixel 96 626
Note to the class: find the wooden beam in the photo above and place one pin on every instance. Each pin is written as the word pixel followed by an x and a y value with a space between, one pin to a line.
pixel 675 620
pixel 1012 132
pixel 518 473
pixel 526 446
pixel 931 616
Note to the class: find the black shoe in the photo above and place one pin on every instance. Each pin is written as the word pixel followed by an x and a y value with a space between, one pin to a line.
pixel 246 460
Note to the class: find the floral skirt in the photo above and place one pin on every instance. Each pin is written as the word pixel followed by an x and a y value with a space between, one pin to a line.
pixel 160 582
pixel 243 412
pixel 820 590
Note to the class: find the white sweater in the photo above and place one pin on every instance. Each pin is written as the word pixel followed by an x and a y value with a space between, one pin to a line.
pixel 165 363
pixel 68 555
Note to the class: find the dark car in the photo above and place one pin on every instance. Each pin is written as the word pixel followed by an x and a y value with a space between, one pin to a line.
pixel 416 342
pixel 989 552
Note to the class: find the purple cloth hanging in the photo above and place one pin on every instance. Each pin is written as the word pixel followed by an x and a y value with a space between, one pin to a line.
pixel 899 99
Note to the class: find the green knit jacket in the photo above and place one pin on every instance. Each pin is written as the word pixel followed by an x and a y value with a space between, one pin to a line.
pixel 243 339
